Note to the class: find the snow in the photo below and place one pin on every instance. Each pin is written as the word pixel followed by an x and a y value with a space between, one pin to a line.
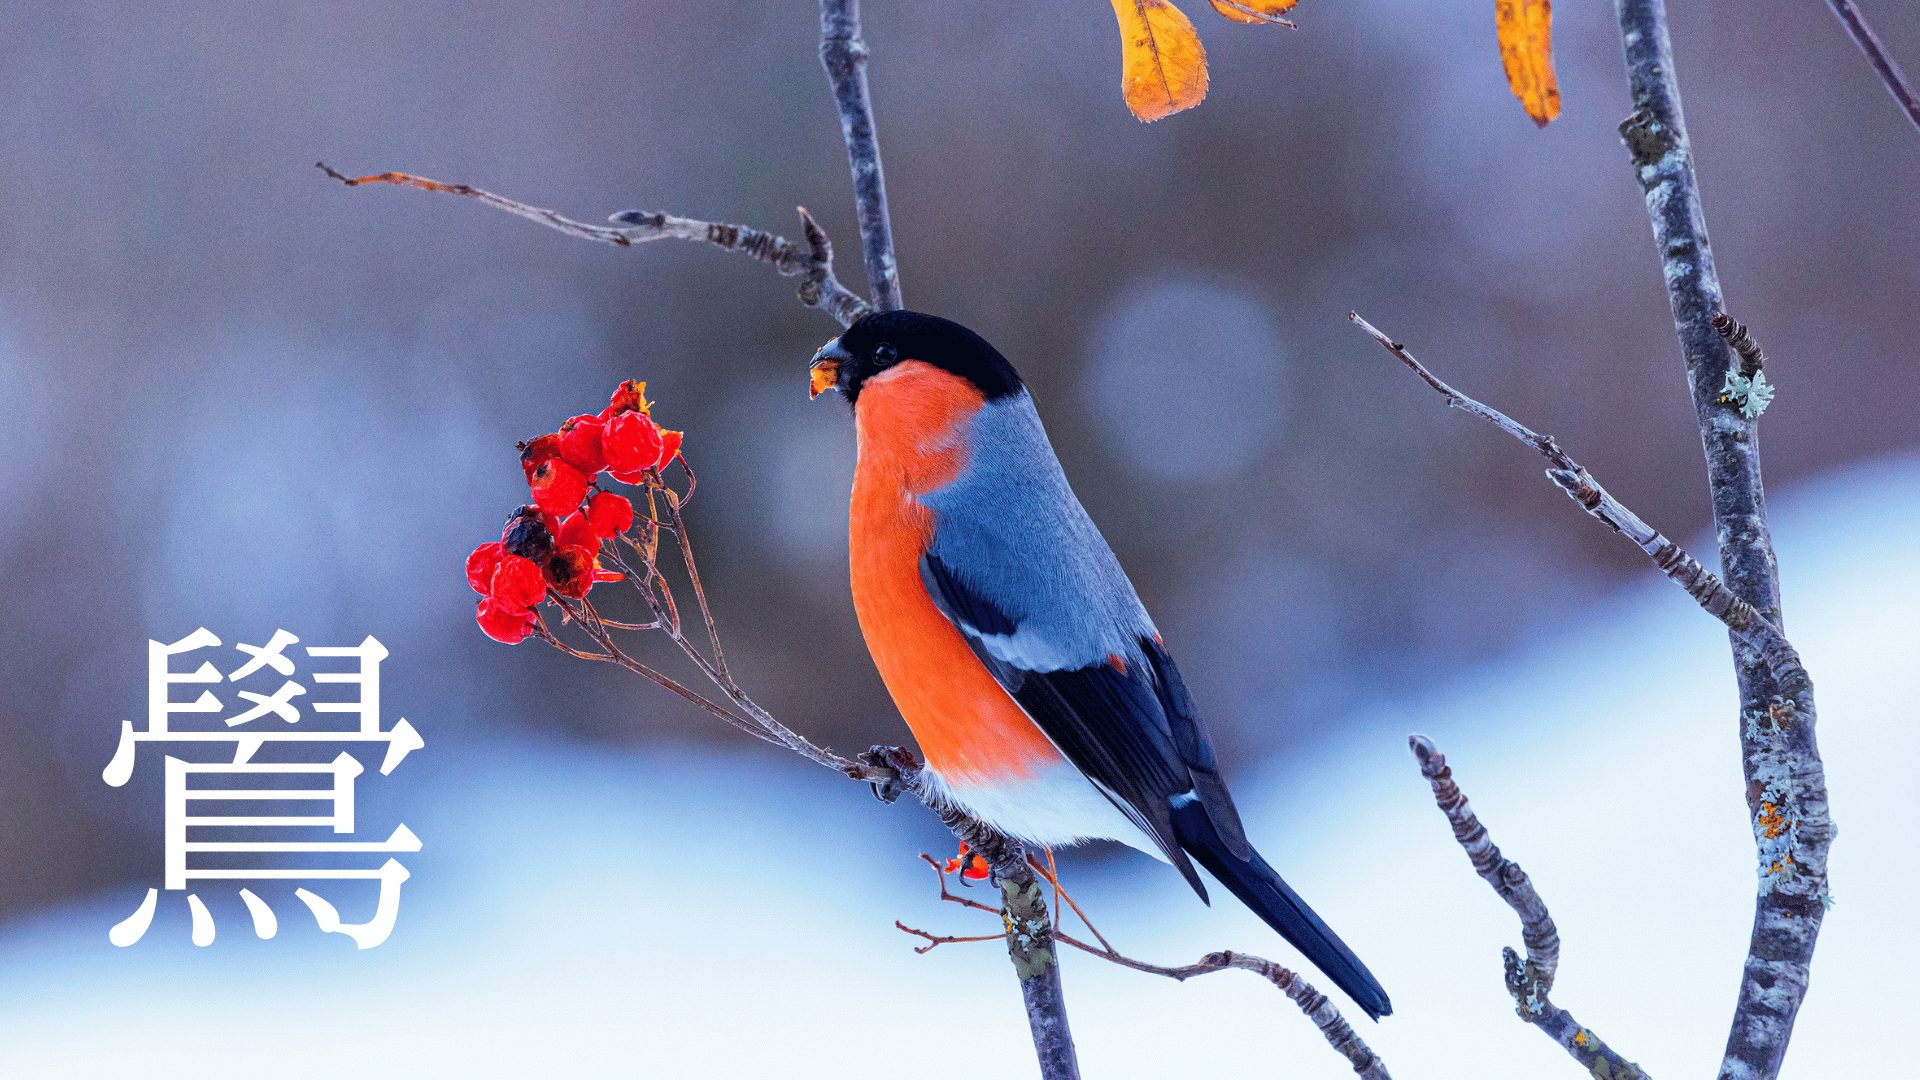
pixel 581 911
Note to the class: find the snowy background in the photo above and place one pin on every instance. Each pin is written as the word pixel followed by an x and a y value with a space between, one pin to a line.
pixel 240 396
pixel 672 913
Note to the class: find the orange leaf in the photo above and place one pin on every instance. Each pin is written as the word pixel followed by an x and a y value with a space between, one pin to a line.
pixel 1255 11
pixel 1163 66
pixel 1526 51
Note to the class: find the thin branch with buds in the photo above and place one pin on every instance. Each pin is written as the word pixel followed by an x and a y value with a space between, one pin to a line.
pixel 812 261
pixel 1671 559
pixel 1530 980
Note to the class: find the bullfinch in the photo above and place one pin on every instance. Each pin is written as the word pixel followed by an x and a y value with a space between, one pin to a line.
pixel 1042 697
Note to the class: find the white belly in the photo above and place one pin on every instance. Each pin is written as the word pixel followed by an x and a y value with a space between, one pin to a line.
pixel 1052 808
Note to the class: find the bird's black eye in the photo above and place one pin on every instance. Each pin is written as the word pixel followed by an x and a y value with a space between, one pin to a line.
pixel 885 355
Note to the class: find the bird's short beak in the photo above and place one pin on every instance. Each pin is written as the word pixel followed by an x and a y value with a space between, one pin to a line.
pixel 824 375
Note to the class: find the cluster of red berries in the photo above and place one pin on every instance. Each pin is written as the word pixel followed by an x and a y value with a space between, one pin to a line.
pixel 555 542
pixel 973 869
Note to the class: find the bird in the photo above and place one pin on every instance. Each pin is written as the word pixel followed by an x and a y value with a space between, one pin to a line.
pixel 1042 697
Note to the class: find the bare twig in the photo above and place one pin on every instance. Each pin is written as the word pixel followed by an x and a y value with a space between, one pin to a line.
pixel 1786 781
pixel 939 939
pixel 612 653
pixel 843 52
pixel 1681 568
pixel 951 897
pixel 1530 980
pixel 1883 64
pixel 812 261
pixel 658 595
pixel 699 590
pixel 1062 896
pixel 1311 1002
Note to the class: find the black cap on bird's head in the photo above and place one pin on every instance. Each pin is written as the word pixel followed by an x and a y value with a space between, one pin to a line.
pixel 885 338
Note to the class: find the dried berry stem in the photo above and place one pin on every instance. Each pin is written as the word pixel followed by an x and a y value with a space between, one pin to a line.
pixel 613 654
pixel 685 545
pixel 657 593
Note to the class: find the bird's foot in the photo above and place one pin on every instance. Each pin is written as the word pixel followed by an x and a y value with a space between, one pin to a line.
pixel 890 770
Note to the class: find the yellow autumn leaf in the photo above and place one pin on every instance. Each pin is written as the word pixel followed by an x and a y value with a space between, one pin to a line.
pixel 1526 51
pixel 1163 68
pixel 1255 11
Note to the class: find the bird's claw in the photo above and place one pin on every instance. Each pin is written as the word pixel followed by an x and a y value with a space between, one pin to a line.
pixel 888 770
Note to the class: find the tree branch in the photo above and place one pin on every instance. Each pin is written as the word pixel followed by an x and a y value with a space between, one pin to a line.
pixel 1029 929
pixel 1746 623
pixel 1531 980
pixel 1786 782
pixel 1791 829
pixel 1883 65
pixel 843 52
pixel 1312 1003
pixel 812 262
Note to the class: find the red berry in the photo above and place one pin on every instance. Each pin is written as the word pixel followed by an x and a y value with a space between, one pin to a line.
pixel 557 487
pixel 580 444
pixel 633 446
pixel 629 396
pixel 518 583
pixel 670 447
pixel 481 563
pixel 537 450
pixel 502 623
pixel 571 571
pixel 609 514
pixel 577 531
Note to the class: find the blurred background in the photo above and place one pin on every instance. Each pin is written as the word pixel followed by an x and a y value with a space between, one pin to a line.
pixel 238 395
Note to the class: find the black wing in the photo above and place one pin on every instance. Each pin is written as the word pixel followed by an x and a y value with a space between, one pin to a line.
pixel 1127 723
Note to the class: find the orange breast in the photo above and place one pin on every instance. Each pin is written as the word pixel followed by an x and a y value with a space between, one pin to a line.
pixel 968 727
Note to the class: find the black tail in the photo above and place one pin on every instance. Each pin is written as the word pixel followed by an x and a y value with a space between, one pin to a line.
pixel 1258 887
